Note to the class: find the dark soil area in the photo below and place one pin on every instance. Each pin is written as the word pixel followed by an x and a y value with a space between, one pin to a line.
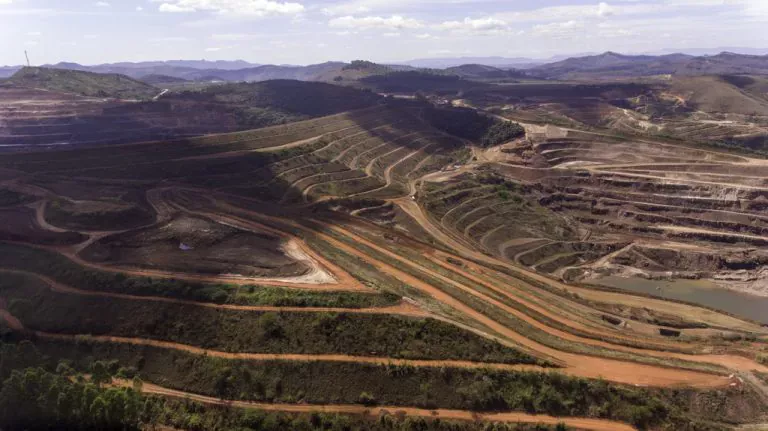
pixel 197 245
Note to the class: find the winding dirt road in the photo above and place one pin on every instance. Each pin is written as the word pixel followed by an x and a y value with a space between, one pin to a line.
pixel 374 412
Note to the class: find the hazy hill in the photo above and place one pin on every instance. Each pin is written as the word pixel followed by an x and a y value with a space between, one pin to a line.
pixel 162 79
pixel 480 71
pixel 83 83
pixel 610 65
pixel 447 62
pixel 614 65
pixel 726 63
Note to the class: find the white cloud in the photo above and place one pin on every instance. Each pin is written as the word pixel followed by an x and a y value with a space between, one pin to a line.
pixel 6 2
pixel 230 37
pixel 101 4
pixel 392 34
pixel 139 8
pixel 481 25
pixel 174 8
pixel 170 39
pixel 604 9
pixel 394 22
pixel 424 36
pixel 234 7
pixel 558 29
pixel 34 33
pixel 213 49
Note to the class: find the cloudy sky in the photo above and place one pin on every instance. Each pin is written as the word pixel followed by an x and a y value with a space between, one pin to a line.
pixel 311 31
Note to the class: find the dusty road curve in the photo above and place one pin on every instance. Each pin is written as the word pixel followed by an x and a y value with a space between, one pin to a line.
pixel 402 309
pixel 374 412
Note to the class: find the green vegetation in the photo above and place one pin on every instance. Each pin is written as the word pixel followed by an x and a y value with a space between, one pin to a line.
pixel 33 398
pixel 356 334
pixel 469 124
pixel 83 83
pixel 343 383
pixel 58 267
pixel 40 398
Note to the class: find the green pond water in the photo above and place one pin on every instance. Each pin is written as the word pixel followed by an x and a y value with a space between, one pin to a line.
pixel 700 292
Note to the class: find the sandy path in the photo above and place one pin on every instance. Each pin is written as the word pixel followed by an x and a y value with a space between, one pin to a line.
pixel 39 208
pixel 375 412
pixel 402 309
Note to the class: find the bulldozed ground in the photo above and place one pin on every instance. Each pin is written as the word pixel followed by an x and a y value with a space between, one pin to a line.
pixel 368 258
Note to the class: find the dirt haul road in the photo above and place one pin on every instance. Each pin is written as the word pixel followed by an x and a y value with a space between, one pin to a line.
pixel 276 356
pixel 402 309
pixel 576 365
pixel 374 412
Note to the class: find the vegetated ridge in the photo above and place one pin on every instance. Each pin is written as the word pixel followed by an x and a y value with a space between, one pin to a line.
pixel 84 83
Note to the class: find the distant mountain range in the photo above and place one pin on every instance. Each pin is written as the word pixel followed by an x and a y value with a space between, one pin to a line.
pixel 609 65
pixel 502 62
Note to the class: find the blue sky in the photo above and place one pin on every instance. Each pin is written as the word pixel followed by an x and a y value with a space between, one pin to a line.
pixel 311 31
